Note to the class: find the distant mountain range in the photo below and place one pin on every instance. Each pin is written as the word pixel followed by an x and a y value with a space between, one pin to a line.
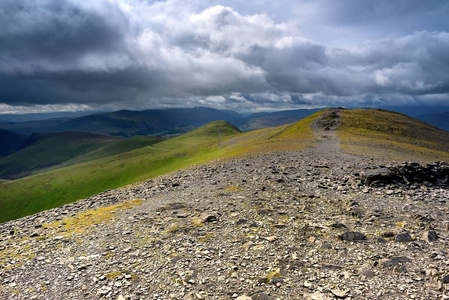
pixel 36 146
pixel 438 119
pixel 155 122
pixel 166 122
pixel 42 116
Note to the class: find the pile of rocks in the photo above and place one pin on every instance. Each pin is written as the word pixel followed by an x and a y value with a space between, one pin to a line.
pixel 434 174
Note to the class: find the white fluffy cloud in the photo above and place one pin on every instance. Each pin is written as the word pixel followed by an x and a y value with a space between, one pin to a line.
pixel 176 53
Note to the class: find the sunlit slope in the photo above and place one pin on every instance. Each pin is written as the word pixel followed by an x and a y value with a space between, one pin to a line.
pixel 391 135
pixel 215 140
pixel 54 188
pixel 57 150
pixel 292 137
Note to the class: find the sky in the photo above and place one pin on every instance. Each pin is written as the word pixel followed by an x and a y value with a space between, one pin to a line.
pixel 248 56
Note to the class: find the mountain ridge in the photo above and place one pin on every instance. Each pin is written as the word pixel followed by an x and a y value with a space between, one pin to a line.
pixel 200 146
pixel 156 122
pixel 319 223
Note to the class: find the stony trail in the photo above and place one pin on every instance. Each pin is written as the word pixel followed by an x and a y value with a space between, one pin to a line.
pixel 290 225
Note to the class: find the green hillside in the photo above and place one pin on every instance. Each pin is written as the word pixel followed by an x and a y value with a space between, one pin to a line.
pixel 391 135
pixel 362 132
pixel 56 150
pixel 54 188
pixel 216 140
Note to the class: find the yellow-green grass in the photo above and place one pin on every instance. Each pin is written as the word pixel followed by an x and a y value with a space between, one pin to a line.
pixel 292 137
pixel 71 227
pixel 85 220
pixel 216 140
pixel 390 135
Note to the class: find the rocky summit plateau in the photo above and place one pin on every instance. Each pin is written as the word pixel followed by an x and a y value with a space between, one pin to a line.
pixel 319 223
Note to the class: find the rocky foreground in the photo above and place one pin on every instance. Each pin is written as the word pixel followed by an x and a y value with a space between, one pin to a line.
pixel 316 224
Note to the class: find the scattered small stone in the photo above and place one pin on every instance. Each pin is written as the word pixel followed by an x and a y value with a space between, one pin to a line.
pixel 367 273
pixel 403 237
pixel 247 245
pixel 430 236
pixel 292 230
pixel 326 245
pixel 352 236
pixel 260 296
pixel 339 293
pixel 307 284
pixel 395 260
pixel 445 278
pixel 241 221
pixel 381 240
pixel 271 238
pixel 338 226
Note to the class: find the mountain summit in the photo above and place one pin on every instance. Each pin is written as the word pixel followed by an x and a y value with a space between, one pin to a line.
pixel 317 209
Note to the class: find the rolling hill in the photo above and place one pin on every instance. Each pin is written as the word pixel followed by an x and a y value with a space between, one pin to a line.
pixel 365 132
pixel 156 122
pixel 127 123
pixel 54 188
pixel 215 140
pixel 392 135
pixel 42 152
pixel 272 119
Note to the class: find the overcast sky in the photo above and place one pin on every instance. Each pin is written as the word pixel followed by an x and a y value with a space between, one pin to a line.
pixel 253 55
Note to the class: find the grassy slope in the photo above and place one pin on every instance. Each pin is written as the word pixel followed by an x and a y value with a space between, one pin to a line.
pixel 218 139
pixel 369 132
pixel 43 191
pixel 267 120
pixel 56 150
pixel 113 148
pixel 391 135
pixel 48 150
pixel 290 137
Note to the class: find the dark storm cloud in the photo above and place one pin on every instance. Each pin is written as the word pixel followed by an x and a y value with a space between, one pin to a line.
pixel 59 30
pixel 169 53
